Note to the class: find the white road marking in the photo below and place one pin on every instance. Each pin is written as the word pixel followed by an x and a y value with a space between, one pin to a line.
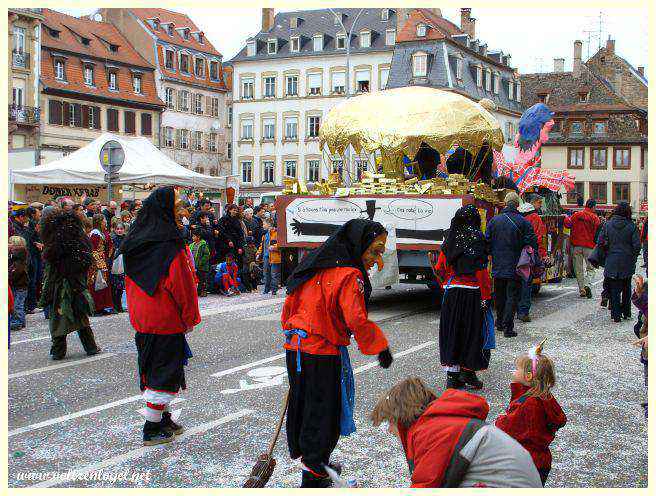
pixel 29 340
pixel 570 292
pixel 248 366
pixel 138 452
pixel 70 363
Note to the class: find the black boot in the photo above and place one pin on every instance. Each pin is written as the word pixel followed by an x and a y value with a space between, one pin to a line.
pixel 88 341
pixel 453 381
pixel 310 480
pixel 168 424
pixel 469 378
pixel 58 348
pixel 153 433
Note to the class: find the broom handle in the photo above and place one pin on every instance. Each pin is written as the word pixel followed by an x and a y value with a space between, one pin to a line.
pixel 272 444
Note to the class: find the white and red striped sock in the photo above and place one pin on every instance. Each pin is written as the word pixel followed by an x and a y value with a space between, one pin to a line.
pixel 154 411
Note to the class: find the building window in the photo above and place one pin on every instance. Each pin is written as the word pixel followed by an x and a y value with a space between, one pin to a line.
pixel 419 61
pixel 184 139
pixel 17 97
pixel 198 103
pixel 169 58
pixel 113 82
pixel 421 30
pixel 90 117
pixel 511 87
pixel 384 14
pixel 488 80
pixel 198 140
pixel 390 37
pixel 575 158
pixel 19 39
pixel 291 85
pixel 129 122
pixel 363 81
pixel 169 29
pixel 247 130
pixel 497 81
pixel 269 129
pixel 573 195
pixel 272 47
pixel 340 41
pixel 510 132
pixel 459 67
pixel 59 70
pixel 313 171
pixel 384 76
pixel 183 101
pixel 365 39
pixel 74 114
pixel 314 122
pixel 55 112
pixel 583 97
pixel 112 120
pixel 168 94
pixel 269 87
pixel 211 142
pixel 296 44
pixel 199 67
pixel 247 171
pixel 290 168
pixel 291 128
pixel 230 116
pixel 215 107
pixel 317 43
pixel 599 127
pixel 146 124
pixel 185 34
pixel 268 171
pixel 479 76
pixel 136 83
pixel 621 192
pixel 214 71
pixel 643 156
pixel 621 158
pixel 598 158
pixel 184 63
pixel 338 83
pixel 360 167
pixel 576 127
pixel 543 98
pixel 247 87
pixel 169 141
pixel 250 48
pixel 338 167
pixel 598 192
pixel 518 92
pixel 88 75
pixel 314 84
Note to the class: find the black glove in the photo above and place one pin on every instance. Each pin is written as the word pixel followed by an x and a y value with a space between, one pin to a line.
pixel 385 358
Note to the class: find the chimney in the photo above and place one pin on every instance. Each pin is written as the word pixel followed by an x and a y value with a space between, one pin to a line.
pixel 641 71
pixel 576 66
pixel 610 46
pixel 467 23
pixel 267 19
pixel 559 65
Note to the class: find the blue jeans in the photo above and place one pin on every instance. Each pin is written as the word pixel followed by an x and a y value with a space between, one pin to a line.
pixel 36 272
pixel 271 277
pixel 18 317
pixel 524 306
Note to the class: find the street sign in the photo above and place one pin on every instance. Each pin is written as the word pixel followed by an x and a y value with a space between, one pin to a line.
pixel 112 157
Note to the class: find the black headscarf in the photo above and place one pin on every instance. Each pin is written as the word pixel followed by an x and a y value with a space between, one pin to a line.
pixel 465 247
pixel 66 246
pixel 344 248
pixel 152 241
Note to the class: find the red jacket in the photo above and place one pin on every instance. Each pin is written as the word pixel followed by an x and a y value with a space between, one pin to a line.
pixel 11 300
pixel 173 308
pixel 429 443
pixel 540 232
pixel 584 225
pixel 481 279
pixel 533 422
pixel 329 307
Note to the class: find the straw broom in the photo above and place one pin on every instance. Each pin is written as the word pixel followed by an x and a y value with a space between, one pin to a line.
pixel 265 464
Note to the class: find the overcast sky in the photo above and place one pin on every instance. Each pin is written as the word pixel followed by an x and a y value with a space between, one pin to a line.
pixel 533 36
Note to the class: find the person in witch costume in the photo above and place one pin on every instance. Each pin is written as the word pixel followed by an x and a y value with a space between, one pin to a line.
pixel 160 284
pixel 328 293
pixel 462 268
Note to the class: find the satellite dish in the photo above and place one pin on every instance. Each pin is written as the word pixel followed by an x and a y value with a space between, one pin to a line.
pixel 216 125
pixel 97 17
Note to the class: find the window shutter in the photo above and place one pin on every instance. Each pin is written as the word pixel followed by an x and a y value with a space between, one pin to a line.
pixel 179 95
pixel 85 116
pixel 146 125
pixel 129 122
pixel 208 106
pixel 177 138
pixel 78 115
pixel 66 113
pixel 96 118
pixel 55 112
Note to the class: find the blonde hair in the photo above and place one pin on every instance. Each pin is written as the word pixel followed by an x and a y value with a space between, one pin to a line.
pixel 404 403
pixel 544 377
pixel 17 241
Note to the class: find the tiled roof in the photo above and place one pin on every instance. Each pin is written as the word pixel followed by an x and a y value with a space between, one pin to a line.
pixel 190 78
pixel 227 77
pixel 321 22
pixel 180 21
pixel 438 28
pixel 100 35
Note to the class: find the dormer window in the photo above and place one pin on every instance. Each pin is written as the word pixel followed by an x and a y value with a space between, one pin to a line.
pixel 112 81
pixel 459 67
pixel 295 44
pixel 250 48
pixel 479 76
pixel 543 98
pixel 185 34
pixel 365 39
pixel 88 75
pixel 421 30
pixel 85 41
pixel 390 37
pixel 583 96
pixel 156 24
pixel 214 70
pixel 384 14
pixel 59 70
pixel 199 67
pixel 113 48
pixel 53 32
pixel 170 28
pixel 294 22
pixel 200 37
pixel 318 42
pixel 184 63
pixel 511 87
pixel 488 80
pixel 340 41
pixel 169 58
pixel 518 92
pixel 419 64
pixel 136 83
pixel 339 18
pixel 497 82
pixel 272 47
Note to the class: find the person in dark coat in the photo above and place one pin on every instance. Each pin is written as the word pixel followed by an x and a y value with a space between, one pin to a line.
pixel 621 240
pixel 507 234
pixel 230 227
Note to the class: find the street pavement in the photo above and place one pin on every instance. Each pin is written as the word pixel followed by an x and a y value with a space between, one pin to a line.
pixel 82 414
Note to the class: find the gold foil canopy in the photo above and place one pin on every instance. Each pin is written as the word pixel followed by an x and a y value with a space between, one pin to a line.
pixel 396 122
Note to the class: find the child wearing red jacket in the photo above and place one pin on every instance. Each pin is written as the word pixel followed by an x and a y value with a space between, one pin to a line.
pixel 534 415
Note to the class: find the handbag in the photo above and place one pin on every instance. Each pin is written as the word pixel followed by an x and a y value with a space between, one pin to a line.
pixel 598 256
pixel 117 266
pixel 489 339
pixel 100 283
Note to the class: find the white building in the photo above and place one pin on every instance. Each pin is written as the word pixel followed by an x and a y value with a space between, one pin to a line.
pixel 285 81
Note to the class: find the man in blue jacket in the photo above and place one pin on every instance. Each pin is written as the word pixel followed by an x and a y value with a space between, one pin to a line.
pixel 508 233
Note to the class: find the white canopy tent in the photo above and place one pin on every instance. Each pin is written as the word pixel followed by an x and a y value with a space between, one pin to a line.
pixel 144 164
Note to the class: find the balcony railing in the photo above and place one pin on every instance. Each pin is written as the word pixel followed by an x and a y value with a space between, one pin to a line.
pixel 24 115
pixel 20 59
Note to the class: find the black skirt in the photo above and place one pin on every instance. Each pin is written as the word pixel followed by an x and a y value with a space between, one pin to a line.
pixel 314 408
pixel 161 361
pixel 461 330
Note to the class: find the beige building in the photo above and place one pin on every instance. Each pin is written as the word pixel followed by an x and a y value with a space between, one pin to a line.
pixel 24 71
